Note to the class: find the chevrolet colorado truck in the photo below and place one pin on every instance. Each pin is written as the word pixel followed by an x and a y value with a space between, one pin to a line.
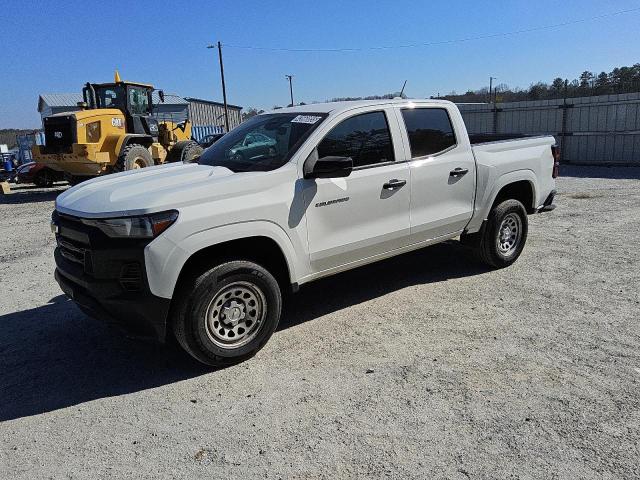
pixel 204 251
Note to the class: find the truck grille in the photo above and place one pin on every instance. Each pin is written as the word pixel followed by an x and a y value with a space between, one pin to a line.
pixel 131 277
pixel 71 252
pixel 114 263
pixel 59 134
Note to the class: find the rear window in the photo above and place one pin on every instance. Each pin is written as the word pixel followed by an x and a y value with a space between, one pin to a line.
pixel 429 129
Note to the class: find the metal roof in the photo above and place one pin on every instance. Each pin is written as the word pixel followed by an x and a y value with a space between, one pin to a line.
pixel 211 102
pixel 59 100
pixel 169 99
pixel 72 99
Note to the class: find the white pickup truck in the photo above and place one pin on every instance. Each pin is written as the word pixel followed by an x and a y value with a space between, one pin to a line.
pixel 205 250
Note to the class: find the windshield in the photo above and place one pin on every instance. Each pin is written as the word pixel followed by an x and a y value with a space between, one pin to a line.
pixel 262 143
pixel 111 97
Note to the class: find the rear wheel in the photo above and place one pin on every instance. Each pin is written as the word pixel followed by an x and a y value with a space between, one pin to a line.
pixel 503 236
pixel 187 151
pixel 134 157
pixel 227 313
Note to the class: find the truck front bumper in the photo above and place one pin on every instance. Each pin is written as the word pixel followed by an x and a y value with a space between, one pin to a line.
pixel 109 282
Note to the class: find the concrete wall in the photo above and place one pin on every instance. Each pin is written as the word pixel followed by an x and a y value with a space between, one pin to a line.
pixel 599 130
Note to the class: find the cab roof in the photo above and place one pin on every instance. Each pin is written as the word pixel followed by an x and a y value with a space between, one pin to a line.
pixel 112 84
pixel 338 107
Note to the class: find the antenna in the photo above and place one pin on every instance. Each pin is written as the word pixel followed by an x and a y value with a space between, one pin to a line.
pixel 402 91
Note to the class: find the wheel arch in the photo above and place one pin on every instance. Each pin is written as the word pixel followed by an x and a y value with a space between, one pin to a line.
pixel 521 190
pixel 262 250
pixel 169 261
pixel 126 140
pixel 520 185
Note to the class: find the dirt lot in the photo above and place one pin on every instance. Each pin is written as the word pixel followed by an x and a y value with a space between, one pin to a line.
pixel 422 366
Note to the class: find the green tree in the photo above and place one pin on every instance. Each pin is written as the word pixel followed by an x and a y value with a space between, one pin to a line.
pixel 558 84
pixel 251 112
pixel 586 79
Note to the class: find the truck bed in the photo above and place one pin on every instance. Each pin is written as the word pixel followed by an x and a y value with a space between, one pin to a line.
pixel 477 138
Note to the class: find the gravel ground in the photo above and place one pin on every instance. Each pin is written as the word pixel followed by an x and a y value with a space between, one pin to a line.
pixel 422 366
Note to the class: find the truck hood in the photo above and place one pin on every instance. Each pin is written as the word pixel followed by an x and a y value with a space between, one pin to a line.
pixel 137 192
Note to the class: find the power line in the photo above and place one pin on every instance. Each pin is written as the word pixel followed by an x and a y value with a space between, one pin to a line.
pixel 441 42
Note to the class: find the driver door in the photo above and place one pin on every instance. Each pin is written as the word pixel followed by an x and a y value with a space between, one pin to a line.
pixel 365 214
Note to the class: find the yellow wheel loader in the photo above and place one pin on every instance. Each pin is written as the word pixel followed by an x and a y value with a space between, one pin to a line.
pixel 114 131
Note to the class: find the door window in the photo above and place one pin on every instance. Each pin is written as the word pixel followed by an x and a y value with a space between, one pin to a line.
pixel 429 129
pixel 365 138
pixel 138 101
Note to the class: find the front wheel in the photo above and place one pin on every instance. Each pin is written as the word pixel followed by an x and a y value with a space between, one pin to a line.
pixel 227 313
pixel 134 157
pixel 502 238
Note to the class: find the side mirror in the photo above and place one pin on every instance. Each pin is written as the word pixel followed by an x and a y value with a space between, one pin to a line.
pixel 327 167
pixel 82 105
pixel 161 95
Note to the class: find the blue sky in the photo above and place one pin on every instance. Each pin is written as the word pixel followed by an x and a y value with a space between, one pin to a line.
pixel 57 46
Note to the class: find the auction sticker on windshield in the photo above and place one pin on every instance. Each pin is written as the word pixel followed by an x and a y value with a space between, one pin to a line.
pixel 305 119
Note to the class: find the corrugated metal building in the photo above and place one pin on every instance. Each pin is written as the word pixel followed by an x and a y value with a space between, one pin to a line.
pixel 206 112
pixel 173 108
pixel 52 103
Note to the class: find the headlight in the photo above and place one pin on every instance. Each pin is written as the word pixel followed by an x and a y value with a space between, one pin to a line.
pixel 93 132
pixel 147 226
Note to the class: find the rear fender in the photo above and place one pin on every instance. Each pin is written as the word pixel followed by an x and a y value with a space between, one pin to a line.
pixel 489 187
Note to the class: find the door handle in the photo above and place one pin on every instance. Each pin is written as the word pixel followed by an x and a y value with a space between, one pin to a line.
pixel 393 184
pixel 458 172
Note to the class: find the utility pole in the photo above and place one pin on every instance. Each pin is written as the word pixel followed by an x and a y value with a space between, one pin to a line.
pixel 290 78
pixel 224 88
pixel 491 79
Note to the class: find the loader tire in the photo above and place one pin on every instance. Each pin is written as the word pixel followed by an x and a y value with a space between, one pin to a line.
pixel 133 157
pixel 187 151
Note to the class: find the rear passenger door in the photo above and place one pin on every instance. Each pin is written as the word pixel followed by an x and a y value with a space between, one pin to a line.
pixel 442 170
pixel 366 213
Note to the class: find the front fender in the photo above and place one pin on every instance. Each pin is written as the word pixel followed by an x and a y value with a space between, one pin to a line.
pixel 165 259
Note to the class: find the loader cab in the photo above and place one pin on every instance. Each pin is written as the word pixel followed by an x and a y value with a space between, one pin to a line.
pixel 133 99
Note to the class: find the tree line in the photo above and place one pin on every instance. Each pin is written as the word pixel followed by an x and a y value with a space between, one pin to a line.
pixel 618 80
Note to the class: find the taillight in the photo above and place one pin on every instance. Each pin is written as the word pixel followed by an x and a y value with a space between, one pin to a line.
pixel 555 153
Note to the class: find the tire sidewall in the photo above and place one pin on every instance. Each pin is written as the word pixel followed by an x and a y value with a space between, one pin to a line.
pixel 208 286
pixel 192 152
pixel 132 153
pixel 497 215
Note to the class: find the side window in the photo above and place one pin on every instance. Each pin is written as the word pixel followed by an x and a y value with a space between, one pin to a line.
pixel 138 101
pixel 429 129
pixel 365 138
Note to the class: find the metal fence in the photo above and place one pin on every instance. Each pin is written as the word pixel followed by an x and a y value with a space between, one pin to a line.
pixel 198 132
pixel 598 130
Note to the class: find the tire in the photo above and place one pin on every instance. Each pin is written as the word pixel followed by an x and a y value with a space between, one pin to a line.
pixel 186 151
pixel 133 157
pixel 74 180
pixel 227 313
pixel 43 179
pixel 504 234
